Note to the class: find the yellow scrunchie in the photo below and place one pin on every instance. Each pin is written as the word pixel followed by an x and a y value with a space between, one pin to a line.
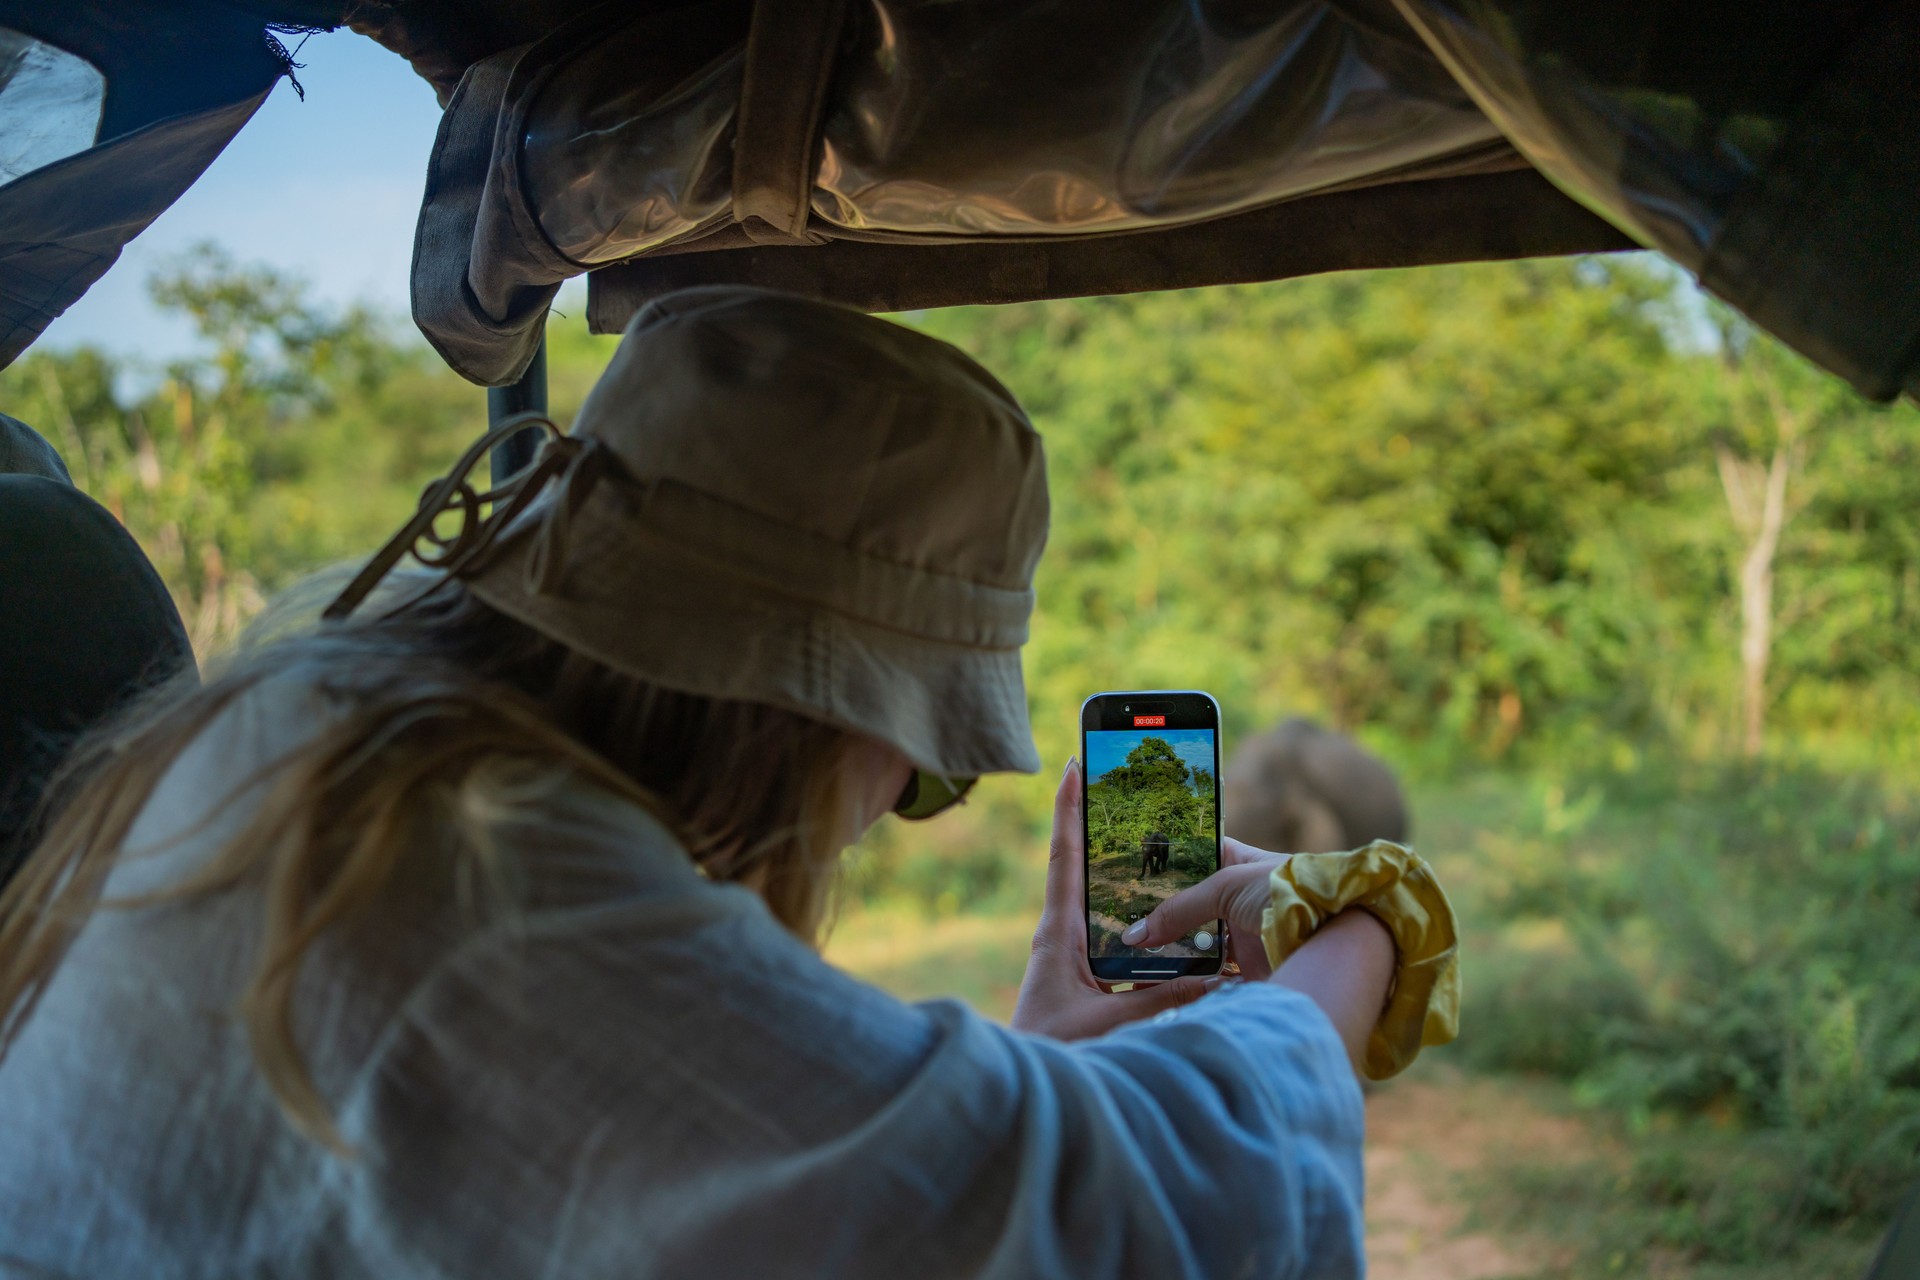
pixel 1396 885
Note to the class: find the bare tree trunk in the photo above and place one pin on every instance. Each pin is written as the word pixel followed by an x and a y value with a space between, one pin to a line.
pixel 1757 497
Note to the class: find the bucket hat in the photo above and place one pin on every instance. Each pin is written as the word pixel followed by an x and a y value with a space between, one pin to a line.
pixel 777 500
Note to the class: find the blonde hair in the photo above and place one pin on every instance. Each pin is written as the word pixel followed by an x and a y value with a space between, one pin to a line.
pixel 450 710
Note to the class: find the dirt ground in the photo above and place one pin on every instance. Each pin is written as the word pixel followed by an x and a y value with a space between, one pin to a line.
pixel 1423 1133
pixel 1120 876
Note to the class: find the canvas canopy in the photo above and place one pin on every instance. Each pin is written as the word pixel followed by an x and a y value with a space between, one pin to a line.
pixel 907 153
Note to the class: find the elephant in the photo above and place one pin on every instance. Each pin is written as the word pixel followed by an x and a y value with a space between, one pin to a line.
pixel 1302 788
pixel 1156 851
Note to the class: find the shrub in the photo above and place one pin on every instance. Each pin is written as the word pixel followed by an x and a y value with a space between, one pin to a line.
pixel 1725 943
pixel 1193 855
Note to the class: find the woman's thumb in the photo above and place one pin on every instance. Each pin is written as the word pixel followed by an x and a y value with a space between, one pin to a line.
pixel 1064 859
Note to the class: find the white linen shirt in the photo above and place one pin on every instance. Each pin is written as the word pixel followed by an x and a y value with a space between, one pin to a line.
pixel 641 1074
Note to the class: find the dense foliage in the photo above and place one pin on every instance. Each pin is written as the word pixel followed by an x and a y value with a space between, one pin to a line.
pixel 1474 504
pixel 1154 791
pixel 1728 947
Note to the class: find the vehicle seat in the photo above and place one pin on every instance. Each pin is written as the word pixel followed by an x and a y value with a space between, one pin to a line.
pixel 85 623
pixel 25 452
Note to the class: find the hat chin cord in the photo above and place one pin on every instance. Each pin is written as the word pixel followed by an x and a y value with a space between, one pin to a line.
pixel 575 463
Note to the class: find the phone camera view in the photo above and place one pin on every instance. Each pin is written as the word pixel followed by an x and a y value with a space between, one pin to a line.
pixel 1151 832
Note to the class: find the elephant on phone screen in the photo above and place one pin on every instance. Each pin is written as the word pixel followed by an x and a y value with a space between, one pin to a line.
pixel 1304 789
pixel 1156 851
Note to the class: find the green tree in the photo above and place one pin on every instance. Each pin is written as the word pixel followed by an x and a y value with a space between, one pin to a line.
pixel 1405 498
pixel 1475 504
pixel 1152 790
pixel 1767 410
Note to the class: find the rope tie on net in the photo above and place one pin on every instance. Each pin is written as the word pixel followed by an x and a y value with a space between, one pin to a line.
pixel 573 464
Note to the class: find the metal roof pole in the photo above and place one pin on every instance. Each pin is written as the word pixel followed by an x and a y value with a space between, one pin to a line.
pixel 529 393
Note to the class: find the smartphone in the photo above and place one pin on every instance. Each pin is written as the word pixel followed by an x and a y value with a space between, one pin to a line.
pixel 1150 816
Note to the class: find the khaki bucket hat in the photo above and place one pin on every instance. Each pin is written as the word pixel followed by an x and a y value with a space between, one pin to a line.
pixel 777 500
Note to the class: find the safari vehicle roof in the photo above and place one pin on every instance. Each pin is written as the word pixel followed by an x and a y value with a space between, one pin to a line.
pixel 898 154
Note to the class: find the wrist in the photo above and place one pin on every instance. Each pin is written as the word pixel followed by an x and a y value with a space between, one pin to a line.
pixel 1374 951
pixel 1346 968
pixel 1367 929
pixel 1338 906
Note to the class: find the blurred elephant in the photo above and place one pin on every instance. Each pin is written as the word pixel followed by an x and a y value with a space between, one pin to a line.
pixel 1305 789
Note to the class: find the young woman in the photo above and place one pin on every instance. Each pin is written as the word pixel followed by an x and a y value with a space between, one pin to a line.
pixel 474 933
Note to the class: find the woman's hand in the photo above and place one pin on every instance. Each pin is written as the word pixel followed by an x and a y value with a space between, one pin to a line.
pixel 1059 996
pixel 1237 893
pixel 1345 967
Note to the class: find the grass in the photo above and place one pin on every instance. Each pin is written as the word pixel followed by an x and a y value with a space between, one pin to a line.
pixel 1686 1203
pixel 1717 964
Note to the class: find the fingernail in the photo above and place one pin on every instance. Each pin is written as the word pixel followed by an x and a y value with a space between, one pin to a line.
pixel 1135 932
pixel 1068 771
pixel 1214 981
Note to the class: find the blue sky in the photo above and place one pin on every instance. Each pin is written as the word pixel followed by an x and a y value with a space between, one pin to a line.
pixel 1107 748
pixel 326 189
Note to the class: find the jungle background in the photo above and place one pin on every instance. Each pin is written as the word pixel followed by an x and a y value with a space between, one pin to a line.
pixel 1627 593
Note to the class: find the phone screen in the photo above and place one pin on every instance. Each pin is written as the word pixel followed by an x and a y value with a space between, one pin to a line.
pixel 1152 820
